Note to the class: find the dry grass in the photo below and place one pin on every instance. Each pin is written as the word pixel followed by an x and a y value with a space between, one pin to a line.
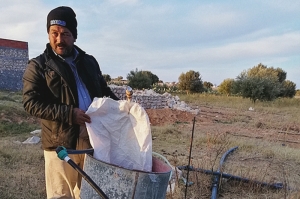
pixel 21 170
pixel 263 162
pixel 263 154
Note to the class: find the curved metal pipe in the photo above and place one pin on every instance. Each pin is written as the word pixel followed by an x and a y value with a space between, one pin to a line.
pixel 216 179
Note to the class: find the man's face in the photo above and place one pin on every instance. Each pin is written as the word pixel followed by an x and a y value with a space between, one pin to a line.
pixel 61 40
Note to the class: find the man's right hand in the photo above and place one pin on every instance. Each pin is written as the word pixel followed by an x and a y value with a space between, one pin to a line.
pixel 79 117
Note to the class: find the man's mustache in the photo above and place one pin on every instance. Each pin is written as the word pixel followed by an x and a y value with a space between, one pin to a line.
pixel 61 45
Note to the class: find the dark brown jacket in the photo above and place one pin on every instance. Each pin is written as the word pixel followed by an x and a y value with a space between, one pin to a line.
pixel 50 93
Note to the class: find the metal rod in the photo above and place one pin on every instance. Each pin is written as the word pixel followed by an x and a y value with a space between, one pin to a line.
pixel 191 146
pixel 84 151
pixel 63 155
pixel 87 178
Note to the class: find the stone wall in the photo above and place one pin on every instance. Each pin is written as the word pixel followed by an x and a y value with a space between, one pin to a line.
pixel 13 61
pixel 149 99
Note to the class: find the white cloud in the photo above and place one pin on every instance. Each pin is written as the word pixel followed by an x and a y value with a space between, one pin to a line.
pixel 284 5
pixel 279 45
pixel 217 39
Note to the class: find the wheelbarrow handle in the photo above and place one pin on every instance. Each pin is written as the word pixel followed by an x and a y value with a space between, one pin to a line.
pixel 63 155
pixel 85 151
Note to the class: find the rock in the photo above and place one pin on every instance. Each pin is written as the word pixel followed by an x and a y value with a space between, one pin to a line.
pixel 32 140
pixel 149 99
pixel 36 132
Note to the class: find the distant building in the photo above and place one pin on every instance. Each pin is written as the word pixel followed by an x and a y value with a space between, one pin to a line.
pixel 117 81
pixel 168 84
pixel 13 61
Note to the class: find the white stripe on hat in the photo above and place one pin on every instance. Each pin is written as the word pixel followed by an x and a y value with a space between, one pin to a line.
pixel 58 22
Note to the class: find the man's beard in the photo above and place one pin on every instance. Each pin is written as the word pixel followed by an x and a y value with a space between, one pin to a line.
pixel 67 49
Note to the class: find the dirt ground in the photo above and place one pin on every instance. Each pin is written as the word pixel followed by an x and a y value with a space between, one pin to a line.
pixel 210 118
pixel 161 117
pixel 260 132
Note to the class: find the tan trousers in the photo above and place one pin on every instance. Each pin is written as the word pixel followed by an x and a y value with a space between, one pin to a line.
pixel 62 180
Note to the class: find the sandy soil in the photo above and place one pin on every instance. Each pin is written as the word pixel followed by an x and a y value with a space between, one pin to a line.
pixel 257 159
pixel 161 117
pixel 246 124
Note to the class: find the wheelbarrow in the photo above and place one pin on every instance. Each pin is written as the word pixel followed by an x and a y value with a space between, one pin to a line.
pixel 104 180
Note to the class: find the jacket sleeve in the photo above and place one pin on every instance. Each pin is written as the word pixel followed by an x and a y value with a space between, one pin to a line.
pixel 38 99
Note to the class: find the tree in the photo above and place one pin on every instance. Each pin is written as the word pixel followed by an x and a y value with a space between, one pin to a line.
pixel 208 86
pixel 106 77
pixel 258 88
pixel 141 79
pixel 288 89
pixel 154 78
pixel 263 71
pixel 119 78
pixel 226 86
pixel 190 82
pixel 263 83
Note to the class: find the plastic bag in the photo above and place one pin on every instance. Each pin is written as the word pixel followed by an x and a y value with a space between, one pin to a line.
pixel 120 133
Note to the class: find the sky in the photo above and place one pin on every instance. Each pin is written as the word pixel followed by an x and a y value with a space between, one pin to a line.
pixel 219 39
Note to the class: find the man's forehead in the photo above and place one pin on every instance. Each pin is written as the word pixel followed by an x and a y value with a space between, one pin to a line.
pixel 59 28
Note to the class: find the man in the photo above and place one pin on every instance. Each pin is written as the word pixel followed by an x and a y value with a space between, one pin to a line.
pixel 58 87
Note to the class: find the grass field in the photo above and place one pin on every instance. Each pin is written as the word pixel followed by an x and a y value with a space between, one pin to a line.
pixel 268 141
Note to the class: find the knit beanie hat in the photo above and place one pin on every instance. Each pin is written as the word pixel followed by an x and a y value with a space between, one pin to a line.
pixel 63 16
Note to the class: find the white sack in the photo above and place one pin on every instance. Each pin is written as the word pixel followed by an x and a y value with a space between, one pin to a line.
pixel 120 133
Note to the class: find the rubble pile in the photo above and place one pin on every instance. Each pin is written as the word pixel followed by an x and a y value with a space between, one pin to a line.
pixel 149 99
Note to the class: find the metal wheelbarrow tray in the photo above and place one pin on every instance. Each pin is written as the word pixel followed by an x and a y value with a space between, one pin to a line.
pixel 118 182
